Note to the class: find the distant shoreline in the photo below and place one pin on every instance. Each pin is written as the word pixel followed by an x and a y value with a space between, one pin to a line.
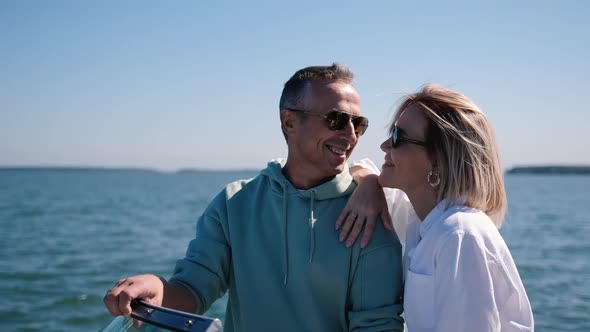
pixel 122 169
pixel 550 169
pixel 544 170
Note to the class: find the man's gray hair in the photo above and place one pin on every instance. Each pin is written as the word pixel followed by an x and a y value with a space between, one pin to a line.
pixel 296 87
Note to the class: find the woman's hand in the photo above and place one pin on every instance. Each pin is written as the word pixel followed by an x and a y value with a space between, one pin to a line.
pixel 366 203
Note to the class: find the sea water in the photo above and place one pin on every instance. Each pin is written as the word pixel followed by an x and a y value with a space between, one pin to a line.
pixel 67 235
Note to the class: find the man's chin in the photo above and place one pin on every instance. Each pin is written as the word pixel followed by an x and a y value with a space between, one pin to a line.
pixel 339 168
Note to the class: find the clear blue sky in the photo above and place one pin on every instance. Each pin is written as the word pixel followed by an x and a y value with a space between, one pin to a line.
pixel 196 84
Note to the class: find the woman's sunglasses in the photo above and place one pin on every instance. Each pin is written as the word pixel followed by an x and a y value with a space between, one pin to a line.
pixel 338 120
pixel 397 138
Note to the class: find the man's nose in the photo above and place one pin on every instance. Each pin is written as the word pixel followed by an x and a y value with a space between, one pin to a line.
pixel 349 132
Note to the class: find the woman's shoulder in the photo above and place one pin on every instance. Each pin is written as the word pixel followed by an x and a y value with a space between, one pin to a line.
pixel 464 221
pixel 460 220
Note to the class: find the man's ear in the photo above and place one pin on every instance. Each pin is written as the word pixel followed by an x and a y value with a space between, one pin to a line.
pixel 288 122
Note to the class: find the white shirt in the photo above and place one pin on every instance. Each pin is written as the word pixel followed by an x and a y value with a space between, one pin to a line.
pixel 459 273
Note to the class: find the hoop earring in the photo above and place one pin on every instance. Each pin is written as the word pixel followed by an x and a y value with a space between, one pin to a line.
pixel 433 178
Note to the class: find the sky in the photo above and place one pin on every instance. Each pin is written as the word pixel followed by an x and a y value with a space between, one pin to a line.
pixel 172 85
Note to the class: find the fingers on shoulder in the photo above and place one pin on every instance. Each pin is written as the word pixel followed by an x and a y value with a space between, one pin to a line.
pixel 359 223
pixel 349 222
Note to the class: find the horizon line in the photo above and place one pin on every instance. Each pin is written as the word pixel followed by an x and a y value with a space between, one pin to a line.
pixel 222 169
pixel 122 168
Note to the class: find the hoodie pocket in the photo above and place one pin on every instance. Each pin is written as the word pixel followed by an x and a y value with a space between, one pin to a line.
pixel 419 301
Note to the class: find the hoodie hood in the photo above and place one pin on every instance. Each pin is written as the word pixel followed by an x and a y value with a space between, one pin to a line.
pixel 341 185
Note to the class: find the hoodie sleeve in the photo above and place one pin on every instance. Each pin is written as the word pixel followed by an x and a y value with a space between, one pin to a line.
pixel 206 267
pixel 376 291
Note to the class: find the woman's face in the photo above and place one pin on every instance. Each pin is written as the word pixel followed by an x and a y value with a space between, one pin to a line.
pixel 406 166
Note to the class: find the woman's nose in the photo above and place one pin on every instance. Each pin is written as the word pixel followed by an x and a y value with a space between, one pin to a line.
pixel 385 146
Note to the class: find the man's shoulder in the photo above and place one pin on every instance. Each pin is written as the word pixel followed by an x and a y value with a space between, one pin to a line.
pixel 252 184
pixel 235 187
pixel 382 238
pixel 236 191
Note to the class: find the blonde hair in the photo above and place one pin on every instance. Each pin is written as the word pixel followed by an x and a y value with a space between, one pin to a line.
pixel 462 141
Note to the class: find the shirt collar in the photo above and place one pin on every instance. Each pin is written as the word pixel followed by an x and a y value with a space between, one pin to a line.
pixel 432 217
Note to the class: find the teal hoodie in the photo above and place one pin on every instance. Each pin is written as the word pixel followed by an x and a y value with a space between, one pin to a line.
pixel 275 249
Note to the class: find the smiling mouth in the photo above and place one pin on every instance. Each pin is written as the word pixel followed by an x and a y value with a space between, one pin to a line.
pixel 336 150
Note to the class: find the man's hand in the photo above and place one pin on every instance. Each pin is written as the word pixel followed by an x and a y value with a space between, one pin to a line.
pixel 147 287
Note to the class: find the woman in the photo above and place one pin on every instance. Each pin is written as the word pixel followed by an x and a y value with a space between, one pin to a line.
pixel 459 273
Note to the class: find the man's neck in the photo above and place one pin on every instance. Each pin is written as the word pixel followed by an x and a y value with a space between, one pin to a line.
pixel 303 178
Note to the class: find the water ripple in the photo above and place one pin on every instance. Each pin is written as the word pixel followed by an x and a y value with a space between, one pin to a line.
pixel 68 236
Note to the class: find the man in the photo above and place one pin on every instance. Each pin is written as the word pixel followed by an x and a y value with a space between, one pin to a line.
pixel 270 241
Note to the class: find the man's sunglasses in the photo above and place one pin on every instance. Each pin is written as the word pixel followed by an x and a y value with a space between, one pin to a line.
pixel 339 120
pixel 397 138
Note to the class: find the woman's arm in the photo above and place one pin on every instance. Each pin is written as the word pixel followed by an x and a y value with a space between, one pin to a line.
pixel 366 204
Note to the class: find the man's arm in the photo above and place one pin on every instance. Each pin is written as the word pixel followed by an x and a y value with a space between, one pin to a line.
pixel 199 278
pixel 206 267
pixel 149 287
pixel 377 286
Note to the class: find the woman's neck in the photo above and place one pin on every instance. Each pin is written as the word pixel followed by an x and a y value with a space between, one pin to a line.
pixel 423 201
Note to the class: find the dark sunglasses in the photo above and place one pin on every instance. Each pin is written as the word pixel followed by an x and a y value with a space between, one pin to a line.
pixel 397 138
pixel 338 120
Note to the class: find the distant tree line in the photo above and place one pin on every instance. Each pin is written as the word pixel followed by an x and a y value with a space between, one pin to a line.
pixel 574 170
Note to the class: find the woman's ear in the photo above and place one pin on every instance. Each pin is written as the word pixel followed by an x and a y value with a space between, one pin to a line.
pixel 432 157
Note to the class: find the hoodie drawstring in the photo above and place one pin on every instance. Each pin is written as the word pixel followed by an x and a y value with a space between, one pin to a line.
pixel 286 252
pixel 312 221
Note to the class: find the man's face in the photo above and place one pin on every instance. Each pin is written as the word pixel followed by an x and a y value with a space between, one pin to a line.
pixel 314 148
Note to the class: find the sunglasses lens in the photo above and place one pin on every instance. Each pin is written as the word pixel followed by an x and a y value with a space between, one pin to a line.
pixel 394 140
pixel 360 125
pixel 339 120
